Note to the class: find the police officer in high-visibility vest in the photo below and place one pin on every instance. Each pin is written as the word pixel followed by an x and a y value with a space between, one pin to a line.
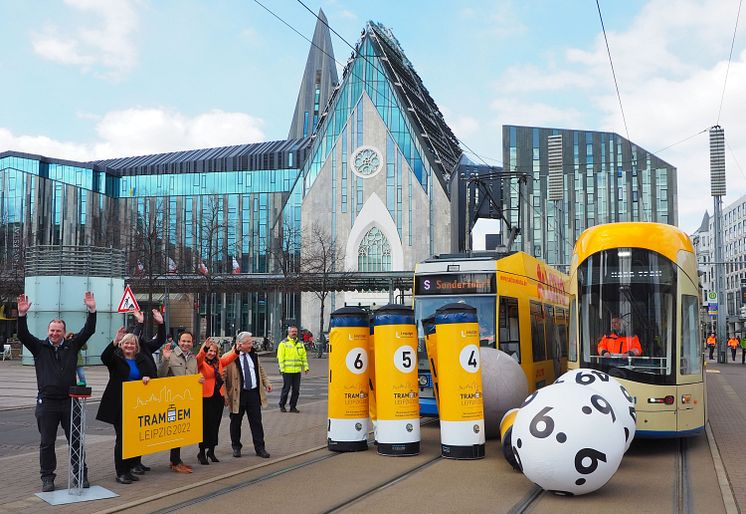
pixel 291 357
pixel 618 342
pixel 733 344
pixel 711 343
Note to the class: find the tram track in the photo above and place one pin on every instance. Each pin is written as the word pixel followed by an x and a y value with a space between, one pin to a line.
pixel 682 491
pixel 380 487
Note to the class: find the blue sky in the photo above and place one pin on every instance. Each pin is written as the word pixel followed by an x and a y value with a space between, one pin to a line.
pixel 89 79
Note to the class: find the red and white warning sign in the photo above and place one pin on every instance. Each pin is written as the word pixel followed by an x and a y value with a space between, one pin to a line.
pixel 128 303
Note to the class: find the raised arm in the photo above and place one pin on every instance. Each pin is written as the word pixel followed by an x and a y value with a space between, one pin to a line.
pixel 160 335
pixel 29 341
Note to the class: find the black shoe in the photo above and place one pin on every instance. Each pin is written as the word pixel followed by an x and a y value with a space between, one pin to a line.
pixel 236 452
pixel 131 477
pixel 211 455
pixel 123 479
pixel 283 409
pixel 143 467
pixel 137 469
pixel 293 409
pixel 86 483
pixel 263 454
pixel 47 485
pixel 202 459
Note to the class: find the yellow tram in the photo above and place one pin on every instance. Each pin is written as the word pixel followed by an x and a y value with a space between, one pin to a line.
pixel 521 307
pixel 634 313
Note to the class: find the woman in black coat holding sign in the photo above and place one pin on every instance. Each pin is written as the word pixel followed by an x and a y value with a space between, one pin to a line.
pixel 125 363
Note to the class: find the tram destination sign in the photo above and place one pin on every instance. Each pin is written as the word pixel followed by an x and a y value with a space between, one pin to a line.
pixel 455 283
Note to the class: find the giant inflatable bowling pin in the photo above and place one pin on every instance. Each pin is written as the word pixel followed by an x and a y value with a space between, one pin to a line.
pixel 347 429
pixel 461 406
pixel 397 388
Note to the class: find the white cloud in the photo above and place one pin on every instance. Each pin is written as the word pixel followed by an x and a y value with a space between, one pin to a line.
pixel 145 131
pixel 463 126
pixel 533 113
pixel 107 47
pixel 670 64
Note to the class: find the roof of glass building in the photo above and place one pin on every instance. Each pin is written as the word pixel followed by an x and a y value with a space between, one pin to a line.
pixel 434 132
pixel 255 156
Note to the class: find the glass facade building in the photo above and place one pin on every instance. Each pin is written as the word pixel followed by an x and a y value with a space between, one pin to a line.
pixel 210 207
pixel 606 179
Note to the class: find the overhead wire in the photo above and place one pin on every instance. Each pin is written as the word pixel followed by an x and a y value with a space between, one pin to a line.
pixel 613 72
pixel 483 159
pixel 730 58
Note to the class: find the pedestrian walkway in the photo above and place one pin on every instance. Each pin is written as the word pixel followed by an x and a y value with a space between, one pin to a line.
pixel 286 434
pixel 726 403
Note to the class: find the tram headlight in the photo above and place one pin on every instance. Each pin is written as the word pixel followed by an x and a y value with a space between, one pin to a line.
pixel 686 398
pixel 669 400
pixel 422 380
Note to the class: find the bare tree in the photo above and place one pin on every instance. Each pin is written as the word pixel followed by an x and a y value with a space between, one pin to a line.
pixel 147 255
pixel 285 254
pixel 213 249
pixel 12 258
pixel 323 260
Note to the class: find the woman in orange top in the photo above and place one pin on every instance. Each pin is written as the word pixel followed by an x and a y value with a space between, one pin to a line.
pixel 213 402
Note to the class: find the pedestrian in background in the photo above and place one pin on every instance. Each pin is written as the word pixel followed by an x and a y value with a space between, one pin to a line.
pixel 245 386
pixel 148 348
pixel 55 360
pixel 733 344
pixel 125 363
pixel 177 362
pixel 292 359
pixel 213 399
pixel 711 343
pixel 743 348
pixel 79 371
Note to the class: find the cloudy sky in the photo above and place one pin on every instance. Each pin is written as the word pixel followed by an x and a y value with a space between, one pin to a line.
pixel 90 79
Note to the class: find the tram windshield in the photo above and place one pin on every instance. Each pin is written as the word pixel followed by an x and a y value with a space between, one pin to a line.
pixel 426 306
pixel 626 299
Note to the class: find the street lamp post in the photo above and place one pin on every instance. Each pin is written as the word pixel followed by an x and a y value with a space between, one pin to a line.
pixel 717 189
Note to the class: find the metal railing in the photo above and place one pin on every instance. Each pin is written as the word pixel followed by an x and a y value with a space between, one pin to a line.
pixel 89 261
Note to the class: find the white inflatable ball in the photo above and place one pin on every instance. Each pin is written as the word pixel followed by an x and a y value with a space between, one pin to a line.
pixel 567 439
pixel 504 385
pixel 622 402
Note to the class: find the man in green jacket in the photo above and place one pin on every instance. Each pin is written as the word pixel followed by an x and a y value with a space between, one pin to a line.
pixel 291 357
pixel 743 348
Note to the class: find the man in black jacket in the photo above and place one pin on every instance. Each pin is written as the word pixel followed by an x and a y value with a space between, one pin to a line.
pixel 55 360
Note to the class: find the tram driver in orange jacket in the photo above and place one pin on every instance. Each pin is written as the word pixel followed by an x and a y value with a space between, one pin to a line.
pixel 617 342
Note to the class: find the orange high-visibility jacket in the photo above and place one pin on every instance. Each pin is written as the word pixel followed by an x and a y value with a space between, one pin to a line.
pixel 733 342
pixel 614 343
pixel 711 341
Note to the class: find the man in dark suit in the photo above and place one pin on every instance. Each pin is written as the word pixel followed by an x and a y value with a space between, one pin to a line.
pixel 246 385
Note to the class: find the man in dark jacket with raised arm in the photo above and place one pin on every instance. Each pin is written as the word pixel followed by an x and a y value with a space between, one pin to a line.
pixel 55 360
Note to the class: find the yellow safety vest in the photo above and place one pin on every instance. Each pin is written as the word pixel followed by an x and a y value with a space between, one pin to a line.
pixel 291 356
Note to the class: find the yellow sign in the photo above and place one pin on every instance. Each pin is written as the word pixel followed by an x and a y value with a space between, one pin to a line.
pixel 165 413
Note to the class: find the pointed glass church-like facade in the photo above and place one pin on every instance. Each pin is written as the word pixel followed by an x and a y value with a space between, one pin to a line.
pixel 367 162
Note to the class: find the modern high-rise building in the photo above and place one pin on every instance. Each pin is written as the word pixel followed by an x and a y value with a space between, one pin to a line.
pixel 367 164
pixel 605 178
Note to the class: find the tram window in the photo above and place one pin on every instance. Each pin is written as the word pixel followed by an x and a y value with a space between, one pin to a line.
pixel 510 339
pixel 562 330
pixel 552 333
pixel 691 354
pixel 572 350
pixel 538 342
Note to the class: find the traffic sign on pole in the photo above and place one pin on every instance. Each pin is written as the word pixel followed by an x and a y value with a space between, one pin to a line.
pixel 128 303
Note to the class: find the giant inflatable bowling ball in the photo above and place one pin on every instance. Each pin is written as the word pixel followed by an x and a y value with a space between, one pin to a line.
pixel 504 387
pixel 612 390
pixel 568 439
